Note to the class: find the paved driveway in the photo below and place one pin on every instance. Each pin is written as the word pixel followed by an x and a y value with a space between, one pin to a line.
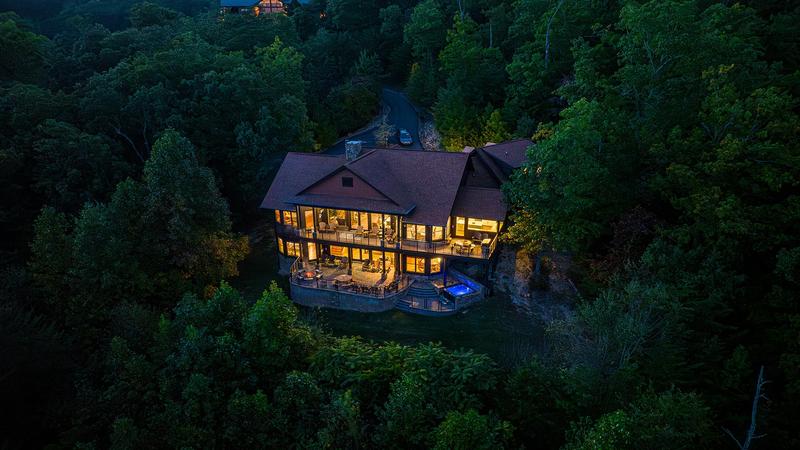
pixel 401 114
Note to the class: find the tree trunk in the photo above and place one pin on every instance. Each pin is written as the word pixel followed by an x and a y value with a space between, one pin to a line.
pixel 751 431
pixel 121 134
pixel 547 34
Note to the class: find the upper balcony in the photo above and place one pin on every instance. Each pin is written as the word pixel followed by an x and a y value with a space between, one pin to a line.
pixel 458 247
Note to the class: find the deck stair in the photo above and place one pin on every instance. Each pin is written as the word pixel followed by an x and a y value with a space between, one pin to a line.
pixel 421 292
pixel 423 289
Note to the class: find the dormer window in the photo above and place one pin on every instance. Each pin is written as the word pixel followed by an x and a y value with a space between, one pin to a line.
pixel 347 181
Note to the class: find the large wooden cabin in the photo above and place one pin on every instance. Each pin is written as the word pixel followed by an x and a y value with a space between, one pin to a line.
pixel 385 220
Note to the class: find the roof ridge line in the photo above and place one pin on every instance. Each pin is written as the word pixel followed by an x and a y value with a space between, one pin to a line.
pixel 360 157
pixel 326 155
pixel 481 187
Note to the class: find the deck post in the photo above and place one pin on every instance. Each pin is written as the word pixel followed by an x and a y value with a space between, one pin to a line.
pixel 349 261
pixel 383 230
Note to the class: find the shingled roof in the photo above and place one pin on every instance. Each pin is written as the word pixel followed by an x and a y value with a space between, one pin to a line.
pixel 485 203
pixel 420 185
pixel 427 180
pixel 297 171
pixel 425 187
pixel 512 154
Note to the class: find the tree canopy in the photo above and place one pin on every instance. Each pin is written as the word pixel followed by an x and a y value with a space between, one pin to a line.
pixel 138 137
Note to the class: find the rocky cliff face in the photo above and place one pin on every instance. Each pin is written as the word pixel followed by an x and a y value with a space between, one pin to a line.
pixel 512 276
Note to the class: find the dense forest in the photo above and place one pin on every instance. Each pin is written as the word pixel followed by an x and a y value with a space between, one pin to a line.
pixel 137 139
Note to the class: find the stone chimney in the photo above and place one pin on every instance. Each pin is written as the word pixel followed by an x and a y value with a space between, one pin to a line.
pixel 352 149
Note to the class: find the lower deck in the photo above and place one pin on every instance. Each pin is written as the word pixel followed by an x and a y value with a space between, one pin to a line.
pixel 364 288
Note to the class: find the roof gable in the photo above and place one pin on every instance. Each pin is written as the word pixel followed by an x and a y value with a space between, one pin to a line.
pixel 294 175
pixel 333 185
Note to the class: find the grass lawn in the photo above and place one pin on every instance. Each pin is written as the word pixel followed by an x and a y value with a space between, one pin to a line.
pixel 495 326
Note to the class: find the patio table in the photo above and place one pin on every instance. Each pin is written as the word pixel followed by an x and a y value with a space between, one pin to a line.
pixel 344 278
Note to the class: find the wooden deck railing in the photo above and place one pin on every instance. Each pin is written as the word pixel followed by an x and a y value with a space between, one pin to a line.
pixel 354 288
pixel 450 247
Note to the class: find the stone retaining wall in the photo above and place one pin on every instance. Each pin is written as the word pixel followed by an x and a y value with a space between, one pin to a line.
pixel 322 298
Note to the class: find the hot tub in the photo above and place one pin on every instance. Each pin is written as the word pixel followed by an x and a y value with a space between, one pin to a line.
pixel 459 290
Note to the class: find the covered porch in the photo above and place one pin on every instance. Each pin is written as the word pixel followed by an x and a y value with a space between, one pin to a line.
pixel 336 224
pixel 343 275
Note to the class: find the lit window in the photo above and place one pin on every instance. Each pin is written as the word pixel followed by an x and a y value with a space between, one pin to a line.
pixel 482 225
pixel 290 218
pixel 460 221
pixel 415 265
pixel 437 233
pixel 436 265
pixel 389 257
pixel 333 217
pixel 292 248
pixel 415 232
pixel 280 246
pixel 277 216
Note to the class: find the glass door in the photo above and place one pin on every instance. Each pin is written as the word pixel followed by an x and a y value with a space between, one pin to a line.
pixel 308 218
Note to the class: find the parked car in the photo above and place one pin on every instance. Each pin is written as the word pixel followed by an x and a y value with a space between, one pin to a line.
pixel 405 137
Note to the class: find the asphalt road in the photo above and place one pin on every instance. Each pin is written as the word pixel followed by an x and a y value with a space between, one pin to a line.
pixel 401 114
